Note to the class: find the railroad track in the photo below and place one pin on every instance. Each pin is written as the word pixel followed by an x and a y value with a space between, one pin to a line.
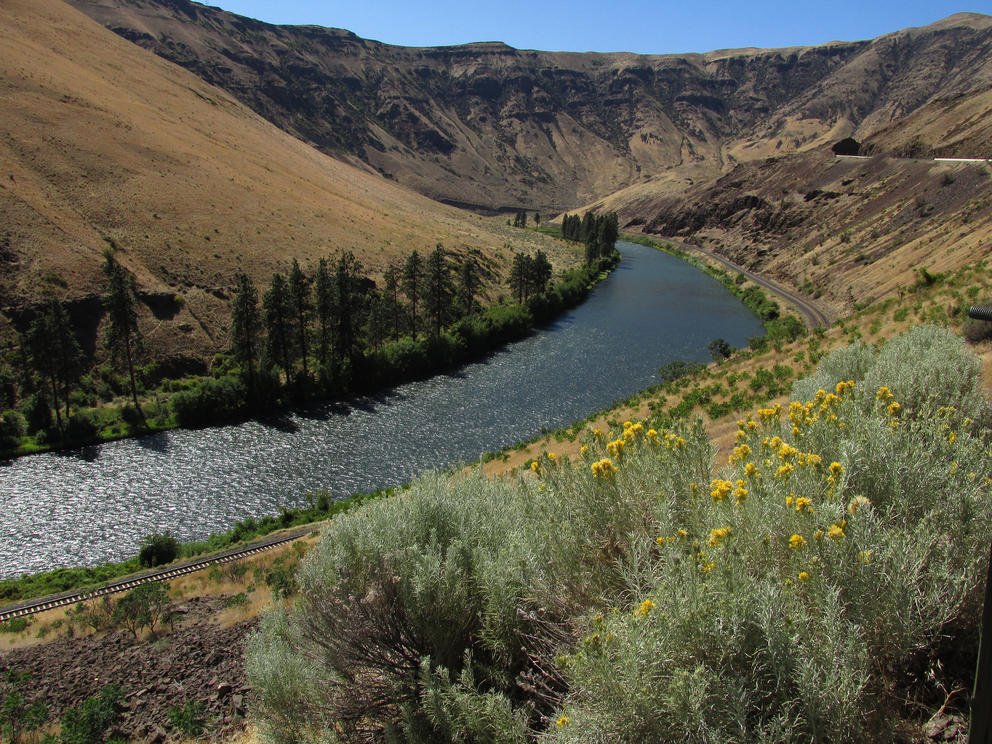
pixel 812 313
pixel 32 606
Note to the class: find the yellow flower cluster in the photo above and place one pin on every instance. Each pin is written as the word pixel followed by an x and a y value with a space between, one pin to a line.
pixel 836 531
pixel 615 448
pixel 804 504
pixel 741 453
pixel 751 470
pixel 785 452
pixel 718 535
pixel 842 388
pixel 720 489
pixel 784 471
pixel 768 415
pixel 646 606
pixel 632 431
pixel 884 394
pixel 740 493
pixel 804 576
pixel 604 469
pixel 561 721
pixel 797 541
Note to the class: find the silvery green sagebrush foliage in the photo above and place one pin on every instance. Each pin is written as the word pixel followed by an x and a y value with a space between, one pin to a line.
pixel 637 596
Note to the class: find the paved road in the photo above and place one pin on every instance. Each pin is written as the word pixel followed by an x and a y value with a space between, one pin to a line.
pixel 812 313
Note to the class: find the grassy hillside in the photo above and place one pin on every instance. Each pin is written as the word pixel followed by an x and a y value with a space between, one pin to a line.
pixel 846 232
pixel 103 143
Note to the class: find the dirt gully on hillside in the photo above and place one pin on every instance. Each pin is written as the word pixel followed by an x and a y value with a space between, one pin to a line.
pixel 198 660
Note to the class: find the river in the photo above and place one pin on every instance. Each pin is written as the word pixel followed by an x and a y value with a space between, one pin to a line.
pixel 95 504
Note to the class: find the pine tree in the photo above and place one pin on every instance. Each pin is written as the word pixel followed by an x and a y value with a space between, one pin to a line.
pixel 246 324
pixel 412 277
pixel 324 295
pixel 378 319
pixel 348 305
pixel 391 298
pixel 55 354
pixel 277 311
pixel 122 335
pixel 540 271
pixel 468 286
pixel 302 303
pixel 438 290
pixel 520 276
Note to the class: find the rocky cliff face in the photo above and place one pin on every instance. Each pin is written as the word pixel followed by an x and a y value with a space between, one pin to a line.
pixel 489 126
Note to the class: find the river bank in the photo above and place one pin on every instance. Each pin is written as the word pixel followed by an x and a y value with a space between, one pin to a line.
pixel 224 397
pixel 95 505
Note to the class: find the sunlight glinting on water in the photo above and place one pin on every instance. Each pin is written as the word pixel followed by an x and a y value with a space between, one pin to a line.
pixel 95 504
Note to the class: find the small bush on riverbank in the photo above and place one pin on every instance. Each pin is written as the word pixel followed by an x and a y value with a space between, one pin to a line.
pixel 641 596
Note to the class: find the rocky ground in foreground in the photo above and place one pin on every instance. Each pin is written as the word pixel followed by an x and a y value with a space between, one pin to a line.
pixel 198 660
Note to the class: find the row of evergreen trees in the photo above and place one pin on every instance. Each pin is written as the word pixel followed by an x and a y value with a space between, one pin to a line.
pixel 329 334
pixel 51 363
pixel 318 327
pixel 598 231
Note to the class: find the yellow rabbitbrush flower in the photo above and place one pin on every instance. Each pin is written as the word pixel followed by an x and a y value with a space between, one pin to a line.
pixel 836 532
pixel 784 471
pixel 741 453
pixel 884 394
pixel 804 576
pixel 604 469
pixel 561 721
pixel 797 541
pixel 615 448
pixel 804 504
pixel 720 489
pixel 646 606
pixel 740 493
pixel 718 535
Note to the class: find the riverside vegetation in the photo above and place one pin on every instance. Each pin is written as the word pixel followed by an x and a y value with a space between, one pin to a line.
pixel 804 590
pixel 329 335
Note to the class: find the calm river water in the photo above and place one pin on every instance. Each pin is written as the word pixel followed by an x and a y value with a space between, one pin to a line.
pixel 95 504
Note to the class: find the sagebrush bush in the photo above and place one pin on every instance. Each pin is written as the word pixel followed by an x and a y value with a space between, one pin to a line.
pixel 639 596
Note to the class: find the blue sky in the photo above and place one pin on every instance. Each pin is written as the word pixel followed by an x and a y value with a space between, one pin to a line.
pixel 621 25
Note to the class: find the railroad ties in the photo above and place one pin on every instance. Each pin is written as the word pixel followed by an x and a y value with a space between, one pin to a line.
pixel 32 607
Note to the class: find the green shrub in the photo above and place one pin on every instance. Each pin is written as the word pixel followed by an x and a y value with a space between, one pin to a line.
pixel 13 426
pixel 641 596
pixel 188 719
pixel 158 549
pixel 15 625
pixel 89 722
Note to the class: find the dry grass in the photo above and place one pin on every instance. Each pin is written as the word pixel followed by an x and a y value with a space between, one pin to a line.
pixel 102 141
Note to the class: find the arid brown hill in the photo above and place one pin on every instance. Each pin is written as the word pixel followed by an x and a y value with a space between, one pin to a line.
pixel 490 126
pixel 103 143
